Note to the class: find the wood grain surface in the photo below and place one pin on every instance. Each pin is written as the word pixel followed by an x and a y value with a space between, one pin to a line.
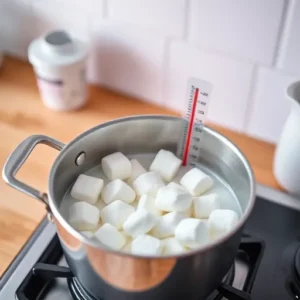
pixel 22 114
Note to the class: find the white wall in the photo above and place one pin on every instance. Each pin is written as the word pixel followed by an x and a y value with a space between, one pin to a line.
pixel 248 50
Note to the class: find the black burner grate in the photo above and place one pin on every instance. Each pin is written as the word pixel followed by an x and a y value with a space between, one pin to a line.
pixel 46 271
pixel 77 291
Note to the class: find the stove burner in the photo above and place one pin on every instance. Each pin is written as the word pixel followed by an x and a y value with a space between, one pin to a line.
pixel 47 271
pixel 228 280
pixel 77 291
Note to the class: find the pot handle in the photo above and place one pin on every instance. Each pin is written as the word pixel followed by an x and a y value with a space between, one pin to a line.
pixel 18 158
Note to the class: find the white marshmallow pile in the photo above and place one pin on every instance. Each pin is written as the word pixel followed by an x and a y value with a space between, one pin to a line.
pixel 166 225
pixel 221 221
pixel 136 170
pixel 205 205
pixel 148 183
pixel 166 164
pixel 147 202
pixel 139 223
pixel 116 166
pixel 146 245
pixel 87 188
pixel 84 216
pixel 143 212
pixel 172 246
pixel 118 190
pixel 173 197
pixel 116 213
pixel 196 182
pixel 109 235
pixel 192 233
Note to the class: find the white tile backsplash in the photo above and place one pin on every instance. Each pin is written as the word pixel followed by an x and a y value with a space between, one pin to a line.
pixel 290 52
pixel 17 27
pixel 248 50
pixel 165 16
pixel 243 28
pixel 71 15
pixel 128 59
pixel 230 79
pixel 269 105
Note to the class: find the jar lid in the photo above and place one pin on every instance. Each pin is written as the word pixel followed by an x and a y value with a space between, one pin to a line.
pixel 56 48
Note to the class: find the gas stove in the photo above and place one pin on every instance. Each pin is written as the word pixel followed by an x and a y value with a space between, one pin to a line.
pixel 267 265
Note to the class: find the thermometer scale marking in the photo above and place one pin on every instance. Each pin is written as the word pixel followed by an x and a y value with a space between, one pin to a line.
pixel 198 92
pixel 190 128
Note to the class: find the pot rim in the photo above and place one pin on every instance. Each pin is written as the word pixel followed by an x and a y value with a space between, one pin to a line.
pixel 94 243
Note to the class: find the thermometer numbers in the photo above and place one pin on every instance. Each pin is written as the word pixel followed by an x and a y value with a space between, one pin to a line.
pixel 189 146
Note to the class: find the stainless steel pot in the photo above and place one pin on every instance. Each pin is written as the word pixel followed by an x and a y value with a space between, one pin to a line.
pixel 107 274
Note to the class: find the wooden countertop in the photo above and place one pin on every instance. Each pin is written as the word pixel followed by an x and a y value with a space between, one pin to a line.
pixel 22 114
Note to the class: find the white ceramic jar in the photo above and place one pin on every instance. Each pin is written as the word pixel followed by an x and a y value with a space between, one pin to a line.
pixel 287 155
pixel 59 63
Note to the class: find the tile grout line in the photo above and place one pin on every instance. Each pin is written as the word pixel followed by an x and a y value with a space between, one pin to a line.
pixel 226 55
pixel 250 102
pixel 283 33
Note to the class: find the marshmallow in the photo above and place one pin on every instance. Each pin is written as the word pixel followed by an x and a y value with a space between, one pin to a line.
pixel 147 202
pixel 146 245
pixel 196 182
pixel 118 190
pixel 204 205
pixel 126 236
pixel 172 246
pixel 173 197
pixel 100 204
pixel 84 216
pixel 116 166
pixel 167 224
pixel 136 170
pixel 148 183
pixel 205 221
pixel 176 186
pixel 87 188
pixel 192 233
pixel 221 221
pixel 189 212
pixel 109 235
pixel 116 213
pixel 166 164
pixel 87 234
pixel 135 204
pixel 139 223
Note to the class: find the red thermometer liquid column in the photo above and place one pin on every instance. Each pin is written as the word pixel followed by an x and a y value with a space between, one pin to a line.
pixel 198 92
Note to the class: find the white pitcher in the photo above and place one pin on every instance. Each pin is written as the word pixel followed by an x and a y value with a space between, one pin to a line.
pixel 287 155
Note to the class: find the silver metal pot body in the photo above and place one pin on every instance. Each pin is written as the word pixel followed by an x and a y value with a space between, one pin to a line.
pixel 113 275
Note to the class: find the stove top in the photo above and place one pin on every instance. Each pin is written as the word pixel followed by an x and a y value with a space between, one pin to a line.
pixel 267 265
